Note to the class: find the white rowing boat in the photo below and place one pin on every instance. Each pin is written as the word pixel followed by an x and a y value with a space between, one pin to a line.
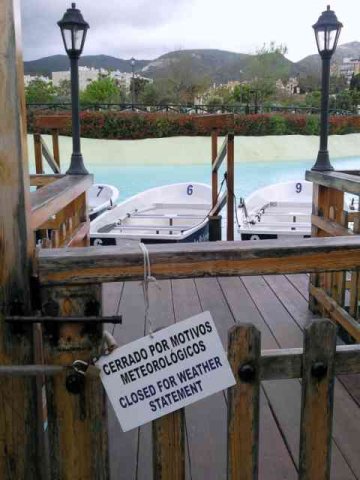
pixel 281 210
pixel 101 197
pixel 171 213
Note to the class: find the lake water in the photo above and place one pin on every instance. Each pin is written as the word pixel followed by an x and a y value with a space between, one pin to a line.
pixel 248 176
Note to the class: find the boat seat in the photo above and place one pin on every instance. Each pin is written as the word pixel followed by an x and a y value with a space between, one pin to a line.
pixel 187 206
pixel 177 228
pixel 168 216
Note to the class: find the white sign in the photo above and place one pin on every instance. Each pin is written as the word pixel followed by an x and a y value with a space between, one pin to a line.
pixel 154 376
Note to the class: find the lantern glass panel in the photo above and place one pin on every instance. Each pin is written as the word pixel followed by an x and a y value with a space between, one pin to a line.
pixel 67 37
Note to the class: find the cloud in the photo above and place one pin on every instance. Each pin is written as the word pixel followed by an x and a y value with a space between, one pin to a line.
pixel 118 27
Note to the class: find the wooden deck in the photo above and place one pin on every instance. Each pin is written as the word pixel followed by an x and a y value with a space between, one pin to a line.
pixel 276 305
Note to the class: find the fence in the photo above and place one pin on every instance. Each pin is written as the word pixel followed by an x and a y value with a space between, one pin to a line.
pixel 336 212
pixel 185 109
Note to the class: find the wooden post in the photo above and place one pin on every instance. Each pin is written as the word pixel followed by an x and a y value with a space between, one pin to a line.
pixel 18 439
pixel 39 167
pixel 55 144
pixel 355 281
pixel 215 228
pixel 77 422
pixel 317 400
pixel 214 175
pixel 230 187
pixel 243 403
pixel 169 447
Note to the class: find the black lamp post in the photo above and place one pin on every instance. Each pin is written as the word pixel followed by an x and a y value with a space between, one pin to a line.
pixel 132 63
pixel 327 30
pixel 73 30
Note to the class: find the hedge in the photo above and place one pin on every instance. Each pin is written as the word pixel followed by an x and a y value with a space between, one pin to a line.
pixel 133 125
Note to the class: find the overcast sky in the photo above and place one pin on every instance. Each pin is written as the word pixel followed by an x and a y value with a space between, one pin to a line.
pixel 149 28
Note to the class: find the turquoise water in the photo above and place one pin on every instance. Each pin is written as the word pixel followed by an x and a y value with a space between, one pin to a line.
pixel 248 176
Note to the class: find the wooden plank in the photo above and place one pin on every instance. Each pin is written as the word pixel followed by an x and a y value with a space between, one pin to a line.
pixel 216 164
pixel 243 403
pixel 56 149
pixel 52 198
pixel 105 264
pixel 19 457
pixel 332 228
pixel 52 121
pixel 79 236
pixel 355 282
pixel 169 447
pixel 301 283
pixel 48 157
pixel 77 422
pixel 219 205
pixel 337 313
pixel 126 299
pixel 317 401
pixel 206 439
pixel 43 179
pixel 286 363
pixel 336 180
pixel 39 167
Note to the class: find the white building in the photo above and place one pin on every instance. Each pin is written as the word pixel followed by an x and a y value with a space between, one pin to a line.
pixel 86 76
pixel 349 67
pixel 31 78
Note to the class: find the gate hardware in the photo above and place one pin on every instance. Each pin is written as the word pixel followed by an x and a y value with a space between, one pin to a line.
pixel 247 372
pixel 116 319
pixel 319 370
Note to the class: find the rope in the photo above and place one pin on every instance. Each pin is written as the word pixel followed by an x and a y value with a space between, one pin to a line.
pixel 145 285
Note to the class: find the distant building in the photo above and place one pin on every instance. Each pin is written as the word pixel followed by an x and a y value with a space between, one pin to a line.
pixel 88 75
pixel 31 78
pixel 349 67
pixel 290 87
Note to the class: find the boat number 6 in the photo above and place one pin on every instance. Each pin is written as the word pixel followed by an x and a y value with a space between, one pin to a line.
pixel 298 187
pixel 97 242
pixel 190 189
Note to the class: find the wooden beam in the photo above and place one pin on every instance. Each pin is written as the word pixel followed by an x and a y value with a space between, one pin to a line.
pixel 337 313
pixel 243 403
pixel 220 156
pixel 286 363
pixel 52 198
pixel 112 263
pixel 214 173
pixel 317 401
pixel 42 180
pixel 53 122
pixel 230 187
pixel 77 421
pixel 20 456
pixel 220 204
pixel 337 180
pixel 48 157
pixel 330 227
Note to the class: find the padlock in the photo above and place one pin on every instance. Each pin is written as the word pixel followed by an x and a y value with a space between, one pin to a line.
pixel 75 383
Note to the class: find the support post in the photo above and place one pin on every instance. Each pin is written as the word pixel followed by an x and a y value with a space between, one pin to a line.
pixel 169 446
pixel 215 228
pixel 214 174
pixel 230 187
pixel 18 439
pixel 77 421
pixel 243 403
pixel 317 400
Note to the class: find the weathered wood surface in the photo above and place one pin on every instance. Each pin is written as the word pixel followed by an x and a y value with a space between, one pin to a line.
pixel 232 299
pixel 330 227
pixel 19 452
pixel 53 164
pixel 230 188
pixel 336 312
pixel 50 199
pixel 243 403
pixel 40 180
pixel 317 401
pixel 169 447
pixel 77 422
pixel 52 121
pixel 286 363
pixel 105 264
pixel 340 181
pixel 214 173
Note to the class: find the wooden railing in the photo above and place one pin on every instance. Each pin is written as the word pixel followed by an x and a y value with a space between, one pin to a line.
pixel 227 197
pixel 336 294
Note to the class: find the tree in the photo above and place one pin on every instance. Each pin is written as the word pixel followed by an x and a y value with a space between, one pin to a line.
pixel 39 91
pixel 355 82
pixel 266 67
pixel 138 84
pixel 103 90
pixel 64 90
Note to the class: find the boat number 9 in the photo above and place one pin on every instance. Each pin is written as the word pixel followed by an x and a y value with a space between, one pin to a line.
pixel 190 189
pixel 298 187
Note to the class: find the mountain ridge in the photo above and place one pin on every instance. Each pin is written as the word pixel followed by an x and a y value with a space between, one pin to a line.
pixel 218 65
